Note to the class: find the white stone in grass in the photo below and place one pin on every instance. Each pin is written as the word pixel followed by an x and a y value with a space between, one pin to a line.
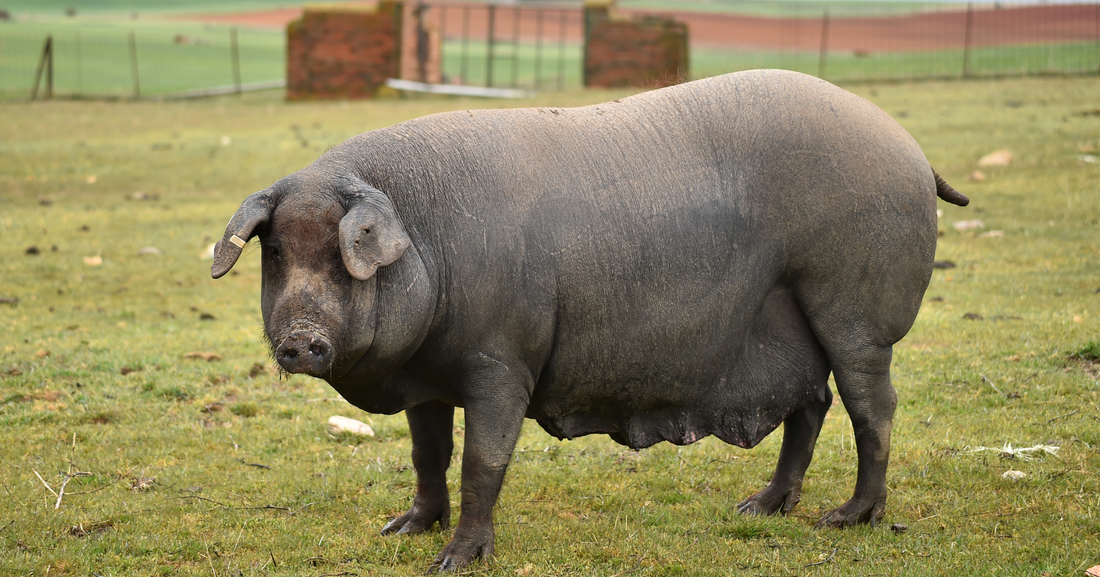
pixel 1001 157
pixel 338 424
pixel 1011 475
pixel 965 225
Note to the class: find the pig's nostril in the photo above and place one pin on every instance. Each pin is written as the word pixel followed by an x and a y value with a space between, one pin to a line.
pixel 318 349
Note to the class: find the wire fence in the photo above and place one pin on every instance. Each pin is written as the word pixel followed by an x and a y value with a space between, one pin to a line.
pixel 913 41
pixel 114 61
pixel 540 46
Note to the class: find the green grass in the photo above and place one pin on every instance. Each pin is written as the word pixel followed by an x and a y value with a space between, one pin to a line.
pixel 756 7
pixel 58 7
pixel 1079 58
pixel 785 9
pixel 1025 374
pixel 92 58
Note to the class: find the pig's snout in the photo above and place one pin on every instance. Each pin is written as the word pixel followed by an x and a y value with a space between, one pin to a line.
pixel 304 352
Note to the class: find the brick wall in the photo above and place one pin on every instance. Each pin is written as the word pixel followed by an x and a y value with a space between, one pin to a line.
pixel 646 52
pixel 342 52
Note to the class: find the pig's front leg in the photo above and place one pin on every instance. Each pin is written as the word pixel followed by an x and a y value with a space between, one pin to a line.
pixel 430 425
pixel 495 410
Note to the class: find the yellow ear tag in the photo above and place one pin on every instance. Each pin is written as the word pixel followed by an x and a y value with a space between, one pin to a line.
pixel 237 241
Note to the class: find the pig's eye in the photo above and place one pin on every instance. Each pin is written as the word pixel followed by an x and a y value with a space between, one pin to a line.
pixel 272 251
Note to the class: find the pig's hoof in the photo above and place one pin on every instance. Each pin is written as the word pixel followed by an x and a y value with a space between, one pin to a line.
pixel 854 512
pixel 418 520
pixel 770 501
pixel 463 550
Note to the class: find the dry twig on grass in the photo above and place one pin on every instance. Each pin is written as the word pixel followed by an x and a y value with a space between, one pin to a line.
pixel 48 487
pixel 1063 416
pixel 990 383
pixel 823 561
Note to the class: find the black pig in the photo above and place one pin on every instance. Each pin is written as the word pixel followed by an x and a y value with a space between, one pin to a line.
pixel 687 262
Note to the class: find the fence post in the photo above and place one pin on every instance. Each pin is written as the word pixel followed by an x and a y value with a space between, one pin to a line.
pixel 442 43
pixel 538 47
pixel 515 45
pixel 824 44
pixel 489 60
pixel 44 63
pixel 561 51
pixel 464 79
pixel 235 56
pixel 134 66
pixel 966 40
pixel 79 65
pixel 421 43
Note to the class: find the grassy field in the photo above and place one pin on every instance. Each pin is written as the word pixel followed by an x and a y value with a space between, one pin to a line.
pixel 92 57
pixel 92 51
pixel 848 67
pixel 177 466
pixel 759 7
pixel 59 7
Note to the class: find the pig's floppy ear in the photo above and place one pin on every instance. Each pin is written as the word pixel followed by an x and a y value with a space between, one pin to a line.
pixel 371 234
pixel 254 212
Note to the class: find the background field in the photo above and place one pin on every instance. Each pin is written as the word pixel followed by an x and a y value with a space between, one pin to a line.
pixel 185 47
pixel 162 452
pixel 92 57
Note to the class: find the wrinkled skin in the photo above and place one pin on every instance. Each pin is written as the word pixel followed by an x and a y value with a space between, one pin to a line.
pixel 687 262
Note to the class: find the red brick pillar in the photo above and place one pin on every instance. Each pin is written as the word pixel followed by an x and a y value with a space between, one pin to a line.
pixel 647 52
pixel 342 52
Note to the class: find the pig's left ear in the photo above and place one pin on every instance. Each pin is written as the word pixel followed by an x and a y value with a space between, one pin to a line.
pixel 371 234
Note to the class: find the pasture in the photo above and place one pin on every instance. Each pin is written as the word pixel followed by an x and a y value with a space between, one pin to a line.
pixel 123 451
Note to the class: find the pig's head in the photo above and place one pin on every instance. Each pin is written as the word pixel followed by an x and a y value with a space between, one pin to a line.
pixel 334 252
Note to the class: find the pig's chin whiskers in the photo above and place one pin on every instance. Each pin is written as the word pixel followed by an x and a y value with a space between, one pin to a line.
pixel 283 374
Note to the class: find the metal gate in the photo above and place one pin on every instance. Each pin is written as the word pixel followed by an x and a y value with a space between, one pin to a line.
pixel 502 45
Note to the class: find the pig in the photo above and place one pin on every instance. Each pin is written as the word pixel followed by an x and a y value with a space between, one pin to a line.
pixel 686 262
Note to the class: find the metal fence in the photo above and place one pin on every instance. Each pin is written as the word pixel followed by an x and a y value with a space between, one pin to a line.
pixel 536 46
pixel 911 41
pixel 539 46
pixel 100 60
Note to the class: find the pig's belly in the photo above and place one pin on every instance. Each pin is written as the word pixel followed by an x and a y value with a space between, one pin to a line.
pixel 740 413
pixel 681 392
